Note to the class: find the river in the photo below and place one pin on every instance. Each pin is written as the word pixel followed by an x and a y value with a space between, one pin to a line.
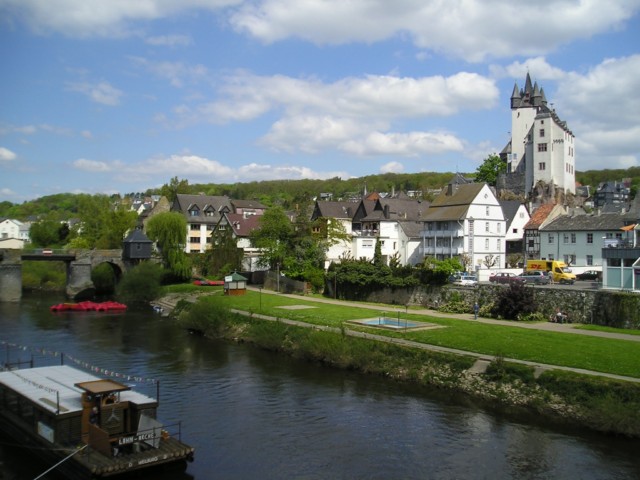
pixel 254 414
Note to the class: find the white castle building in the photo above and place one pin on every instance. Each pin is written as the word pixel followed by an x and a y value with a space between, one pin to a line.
pixel 542 147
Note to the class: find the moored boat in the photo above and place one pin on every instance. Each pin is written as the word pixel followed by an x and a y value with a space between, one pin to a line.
pixel 88 426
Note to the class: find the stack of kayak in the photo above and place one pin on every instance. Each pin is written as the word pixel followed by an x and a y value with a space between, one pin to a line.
pixel 88 307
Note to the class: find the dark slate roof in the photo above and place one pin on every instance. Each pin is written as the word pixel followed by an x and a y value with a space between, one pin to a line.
pixel 509 209
pixel 327 209
pixel 401 208
pixel 412 229
pixel 564 223
pixel 243 226
pixel 218 204
pixel 137 236
pixel 453 206
pixel 248 204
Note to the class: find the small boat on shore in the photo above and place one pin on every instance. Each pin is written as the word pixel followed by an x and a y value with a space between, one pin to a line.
pixel 88 306
pixel 87 426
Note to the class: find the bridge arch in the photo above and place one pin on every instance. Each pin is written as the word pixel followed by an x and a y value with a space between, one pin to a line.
pixel 79 264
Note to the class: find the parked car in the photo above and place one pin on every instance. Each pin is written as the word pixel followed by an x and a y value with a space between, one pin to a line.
pixel 466 280
pixel 590 275
pixel 506 277
pixel 536 277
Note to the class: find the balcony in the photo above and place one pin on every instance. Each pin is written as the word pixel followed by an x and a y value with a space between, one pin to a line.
pixel 457 233
pixel 365 233
pixel 441 250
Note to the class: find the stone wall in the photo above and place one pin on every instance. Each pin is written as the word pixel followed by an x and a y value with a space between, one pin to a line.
pixel 599 307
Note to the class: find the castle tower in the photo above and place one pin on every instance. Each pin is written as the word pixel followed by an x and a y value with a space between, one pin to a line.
pixel 542 147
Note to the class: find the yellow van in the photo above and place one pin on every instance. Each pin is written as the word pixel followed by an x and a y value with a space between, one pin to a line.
pixel 558 270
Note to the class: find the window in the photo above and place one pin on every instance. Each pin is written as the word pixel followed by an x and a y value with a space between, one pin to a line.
pixel 367 244
pixel 486 244
pixel 573 238
pixel 194 226
pixel 499 245
pixel 542 132
pixel 194 212
pixel 565 238
pixel 531 244
pixel 209 213
pixel 499 228
pixel 542 166
pixel 194 239
pixel 486 227
pixel 514 230
pixel 589 237
pixel 590 260
pixel 551 238
pixel 551 257
pixel 542 147
pixel 614 262
pixel 486 211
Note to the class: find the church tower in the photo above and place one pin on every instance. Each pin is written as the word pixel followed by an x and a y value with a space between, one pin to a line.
pixel 542 147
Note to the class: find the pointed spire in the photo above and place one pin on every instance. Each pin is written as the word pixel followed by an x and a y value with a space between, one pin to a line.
pixel 544 98
pixel 516 91
pixel 528 88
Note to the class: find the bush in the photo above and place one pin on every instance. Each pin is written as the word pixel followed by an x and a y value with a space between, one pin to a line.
pixel 514 302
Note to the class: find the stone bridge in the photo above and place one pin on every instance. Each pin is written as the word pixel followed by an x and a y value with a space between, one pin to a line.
pixel 79 265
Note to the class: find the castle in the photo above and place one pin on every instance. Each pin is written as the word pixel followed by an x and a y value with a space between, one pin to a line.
pixel 540 156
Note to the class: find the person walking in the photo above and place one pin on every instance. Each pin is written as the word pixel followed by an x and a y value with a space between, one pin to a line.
pixel 476 309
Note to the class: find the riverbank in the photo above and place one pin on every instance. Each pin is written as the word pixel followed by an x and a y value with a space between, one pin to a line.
pixel 602 404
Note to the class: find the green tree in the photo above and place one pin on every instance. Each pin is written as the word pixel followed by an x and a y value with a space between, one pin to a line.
pixel 45 233
pixel 173 188
pixel 490 169
pixel 168 230
pixel 140 285
pixel 224 256
pixel 273 237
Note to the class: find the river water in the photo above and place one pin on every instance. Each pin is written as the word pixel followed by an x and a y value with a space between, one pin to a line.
pixel 252 414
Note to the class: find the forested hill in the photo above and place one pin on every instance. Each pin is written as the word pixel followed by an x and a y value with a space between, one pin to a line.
pixel 288 193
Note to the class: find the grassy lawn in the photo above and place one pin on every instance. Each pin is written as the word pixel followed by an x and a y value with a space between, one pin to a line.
pixel 580 351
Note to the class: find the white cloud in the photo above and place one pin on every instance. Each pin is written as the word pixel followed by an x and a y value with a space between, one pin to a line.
pixel 7 155
pixel 169 40
pixel 91 166
pixel 112 18
pixel 177 73
pixel 101 92
pixel 86 134
pixel 392 167
pixel 198 169
pixel 410 144
pixel 603 110
pixel 537 67
pixel 470 29
pixel 353 114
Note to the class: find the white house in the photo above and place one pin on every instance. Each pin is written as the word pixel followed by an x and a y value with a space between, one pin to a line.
pixel 10 228
pixel 342 213
pixel 202 213
pixel 380 221
pixel 466 220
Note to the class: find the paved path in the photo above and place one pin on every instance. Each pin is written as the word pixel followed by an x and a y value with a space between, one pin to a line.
pixel 482 359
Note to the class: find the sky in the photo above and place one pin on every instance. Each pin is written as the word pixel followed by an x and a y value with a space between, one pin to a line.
pixel 121 96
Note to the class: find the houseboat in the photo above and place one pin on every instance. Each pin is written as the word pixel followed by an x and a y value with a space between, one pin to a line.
pixel 87 426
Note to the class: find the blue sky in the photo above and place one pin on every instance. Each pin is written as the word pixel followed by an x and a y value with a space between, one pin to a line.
pixel 119 96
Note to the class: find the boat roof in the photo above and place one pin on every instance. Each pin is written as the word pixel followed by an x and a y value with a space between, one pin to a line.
pixel 46 386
